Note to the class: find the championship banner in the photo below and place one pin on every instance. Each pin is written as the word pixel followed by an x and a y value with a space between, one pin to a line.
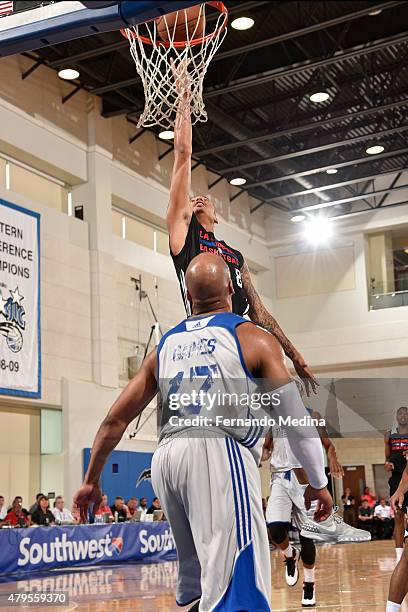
pixel 20 333
pixel 40 548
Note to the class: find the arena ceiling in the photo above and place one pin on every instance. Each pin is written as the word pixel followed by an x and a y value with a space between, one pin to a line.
pixel 262 124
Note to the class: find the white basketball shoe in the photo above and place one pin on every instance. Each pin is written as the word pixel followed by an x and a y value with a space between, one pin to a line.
pixel 334 531
pixel 292 569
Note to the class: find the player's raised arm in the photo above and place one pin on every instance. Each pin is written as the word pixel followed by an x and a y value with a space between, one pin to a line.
pixel 397 500
pixel 336 469
pixel 261 316
pixel 264 357
pixel 179 210
pixel 131 402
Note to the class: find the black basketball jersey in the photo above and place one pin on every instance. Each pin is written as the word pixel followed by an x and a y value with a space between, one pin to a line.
pixel 399 446
pixel 198 240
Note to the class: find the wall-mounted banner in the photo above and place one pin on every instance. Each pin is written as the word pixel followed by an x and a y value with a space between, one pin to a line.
pixel 20 330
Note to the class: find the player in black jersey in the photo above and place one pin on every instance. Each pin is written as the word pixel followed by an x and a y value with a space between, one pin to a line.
pixel 396 449
pixel 396 456
pixel 190 223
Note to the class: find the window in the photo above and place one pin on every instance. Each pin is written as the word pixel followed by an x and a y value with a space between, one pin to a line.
pixel 388 269
pixel 34 184
pixel 139 231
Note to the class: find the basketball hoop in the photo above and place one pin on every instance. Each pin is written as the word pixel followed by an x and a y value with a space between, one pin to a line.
pixel 157 55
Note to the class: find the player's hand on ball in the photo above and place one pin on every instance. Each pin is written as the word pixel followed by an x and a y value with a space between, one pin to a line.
pixel 389 466
pixel 88 494
pixel 305 373
pixel 324 502
pixel 397 500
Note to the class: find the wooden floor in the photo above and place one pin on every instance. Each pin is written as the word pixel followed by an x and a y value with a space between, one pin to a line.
pixel 349 578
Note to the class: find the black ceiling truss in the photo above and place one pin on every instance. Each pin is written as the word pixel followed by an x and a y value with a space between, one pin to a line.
pixel 262 125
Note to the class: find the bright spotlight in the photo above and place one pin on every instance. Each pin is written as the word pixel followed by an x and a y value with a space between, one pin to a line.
pixel 237 181
pixel 166 135
pixel 375 150
pixel 331 171
pixel 242 23
pixel 319 96
pixel 68 74
pixel 297 218
pixel 318 230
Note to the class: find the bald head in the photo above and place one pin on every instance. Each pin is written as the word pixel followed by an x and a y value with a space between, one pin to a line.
pixel 209 285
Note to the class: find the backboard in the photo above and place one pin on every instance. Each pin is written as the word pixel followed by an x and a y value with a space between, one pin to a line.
pixel 26 26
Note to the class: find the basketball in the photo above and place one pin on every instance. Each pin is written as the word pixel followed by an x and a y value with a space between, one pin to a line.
pixel 187 24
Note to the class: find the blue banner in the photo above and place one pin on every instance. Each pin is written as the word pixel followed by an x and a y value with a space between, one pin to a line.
pixel 42 548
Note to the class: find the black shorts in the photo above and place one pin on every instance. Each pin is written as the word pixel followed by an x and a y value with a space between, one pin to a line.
pixel 393 484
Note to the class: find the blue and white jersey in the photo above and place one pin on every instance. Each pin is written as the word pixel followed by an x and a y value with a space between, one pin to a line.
pixel 205 385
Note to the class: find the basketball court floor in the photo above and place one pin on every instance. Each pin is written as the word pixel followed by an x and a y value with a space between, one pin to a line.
pixel 348 577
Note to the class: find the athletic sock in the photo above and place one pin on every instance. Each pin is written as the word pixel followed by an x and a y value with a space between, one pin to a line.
pixel 288 552
pixel 393 607
pixel 398 552
pixel 308 574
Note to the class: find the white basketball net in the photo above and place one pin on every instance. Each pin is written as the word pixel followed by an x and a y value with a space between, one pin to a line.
pixel 167 88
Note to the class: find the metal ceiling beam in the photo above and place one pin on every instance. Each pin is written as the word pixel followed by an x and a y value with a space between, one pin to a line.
pixel 273 40
pixel 276 73
pixel 353 181
pixel 311 125
pixel 255 80
pixel 350 162
pixel 331 145
pixel 366 210
pixel 120 44
pixel 362 196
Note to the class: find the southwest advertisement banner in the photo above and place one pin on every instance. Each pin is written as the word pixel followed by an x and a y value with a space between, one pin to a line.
pixel 20 334
pixel 44 548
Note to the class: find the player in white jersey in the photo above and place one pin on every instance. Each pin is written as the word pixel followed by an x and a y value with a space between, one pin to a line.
pixel 206 474
pixel 286 505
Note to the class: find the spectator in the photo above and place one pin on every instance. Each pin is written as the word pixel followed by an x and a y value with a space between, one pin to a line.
pixel 384 523
pixel 15 516
pixel 367 495
pixel 23 510
pixel 365 517
pixel 104 507
pixel 119 510
pixel 3 508
pixel 349 502
pixel 132 506
pixel 34 507
pixel 155 506
pixel 143 507
pixel 60 513
pixel 43 514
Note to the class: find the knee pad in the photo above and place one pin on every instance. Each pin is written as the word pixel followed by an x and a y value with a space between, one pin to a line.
pixel 307 551
pixel 278 531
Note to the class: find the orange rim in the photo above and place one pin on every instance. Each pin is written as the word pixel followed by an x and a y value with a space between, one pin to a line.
pixel 128 33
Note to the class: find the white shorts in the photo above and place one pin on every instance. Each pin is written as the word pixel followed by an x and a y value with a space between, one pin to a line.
pixel 286 502
pixel 210 490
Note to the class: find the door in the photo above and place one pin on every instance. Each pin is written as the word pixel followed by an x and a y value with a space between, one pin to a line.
pixel 354 478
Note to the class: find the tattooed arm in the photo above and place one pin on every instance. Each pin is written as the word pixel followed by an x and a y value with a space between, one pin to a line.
pixel 260 316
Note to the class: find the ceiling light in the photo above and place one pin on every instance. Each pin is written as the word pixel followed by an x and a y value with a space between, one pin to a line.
pixel 68 74
pixel 406 251
pixel 331 171
pixel 319 96
pixel 166 135
pixel 237 181
pixel 242 23
pixel 375 149
pixel 375 12
pixel 318 230
pixel 297 218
